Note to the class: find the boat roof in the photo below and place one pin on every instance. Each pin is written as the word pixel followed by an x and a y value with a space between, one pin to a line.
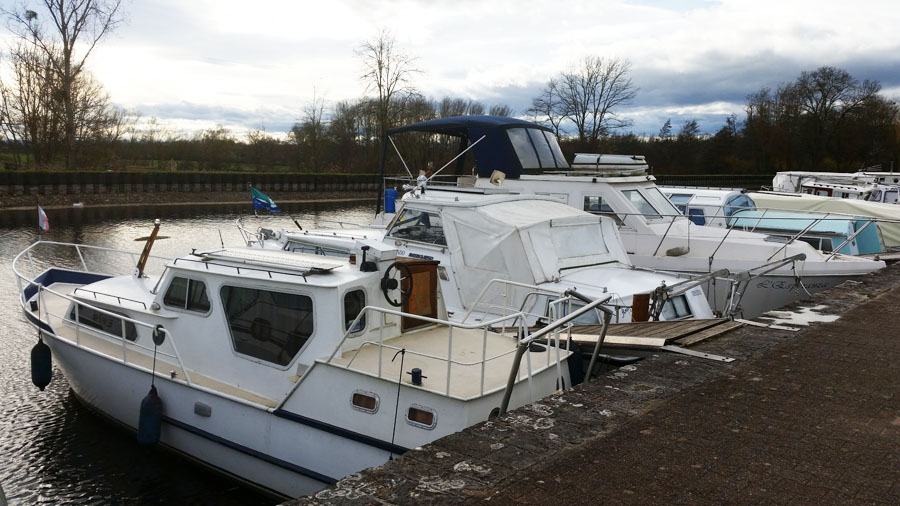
pixel 718 193
pixel 461 126
pixel 516 210
pixel 269 264
pixel 530 147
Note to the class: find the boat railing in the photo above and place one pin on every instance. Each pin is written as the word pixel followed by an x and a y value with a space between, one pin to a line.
pixel 742 279
pixel 80 249
pixel 242 269
pixel 167 349
pixel 118 298
pixel 524 344
pixel 505 287
pixel 509 322
pixel 259 235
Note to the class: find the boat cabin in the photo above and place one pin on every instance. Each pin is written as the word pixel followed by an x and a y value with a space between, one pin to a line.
pixel 284 369
pixel 708 206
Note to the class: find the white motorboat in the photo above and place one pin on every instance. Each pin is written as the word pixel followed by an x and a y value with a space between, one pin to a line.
pixel 887 215
pixel 867 185
pixel 543 246
pixel 286 371
pixel 525 157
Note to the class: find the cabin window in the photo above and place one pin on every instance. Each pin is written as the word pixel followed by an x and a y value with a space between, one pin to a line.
pixel 739 203
pixel 596 204
pixel 420 226
pixel 420 416
pixel 574 241
pixel 557 151
pixel 641 204
pixel 819 243
pixel 537 149
pixel 354 302
pixel 545 156
pixel 676 308
pixel 660 202
pixel 524 150
pixel 697 216
pixel 184 293
pixel 270 326
pixel 364 401
pixel 88 316
pixel 680 201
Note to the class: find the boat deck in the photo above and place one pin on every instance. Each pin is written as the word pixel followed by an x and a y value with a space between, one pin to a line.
pixel 53 311
pixel 427 349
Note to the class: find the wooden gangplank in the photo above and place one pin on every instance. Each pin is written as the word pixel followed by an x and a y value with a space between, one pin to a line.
pixel 655 334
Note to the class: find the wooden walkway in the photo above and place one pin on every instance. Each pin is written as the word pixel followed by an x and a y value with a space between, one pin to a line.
pixel 654 334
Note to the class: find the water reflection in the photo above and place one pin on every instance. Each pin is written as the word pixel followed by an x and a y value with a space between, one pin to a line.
pixel 52 449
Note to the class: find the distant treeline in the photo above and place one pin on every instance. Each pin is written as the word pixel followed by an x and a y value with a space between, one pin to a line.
pixel 824 120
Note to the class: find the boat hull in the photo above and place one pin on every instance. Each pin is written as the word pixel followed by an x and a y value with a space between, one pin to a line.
pixel 284 452
pixel 767 293
pixel 213 440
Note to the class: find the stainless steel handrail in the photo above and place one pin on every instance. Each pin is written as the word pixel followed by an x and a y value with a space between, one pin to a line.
pixel 528 339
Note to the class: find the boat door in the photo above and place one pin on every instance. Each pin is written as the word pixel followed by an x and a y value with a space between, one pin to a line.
pixel 423 299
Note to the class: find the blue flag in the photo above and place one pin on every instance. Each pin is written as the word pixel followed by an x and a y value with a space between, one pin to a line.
pixel 262 201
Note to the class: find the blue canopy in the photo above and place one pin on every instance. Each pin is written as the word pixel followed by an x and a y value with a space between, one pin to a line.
pixel 508 145
pixel 528 147
pixel 459 126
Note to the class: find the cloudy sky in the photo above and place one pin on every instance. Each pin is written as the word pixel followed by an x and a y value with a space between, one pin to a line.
pixel 255 64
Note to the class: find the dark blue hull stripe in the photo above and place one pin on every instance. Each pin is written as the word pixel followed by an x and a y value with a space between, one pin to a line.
pixel 37 322
pixel 250 451
pixel 339 431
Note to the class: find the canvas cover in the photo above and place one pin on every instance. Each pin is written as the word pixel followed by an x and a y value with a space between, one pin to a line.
pixel 890 232
pixel 530 241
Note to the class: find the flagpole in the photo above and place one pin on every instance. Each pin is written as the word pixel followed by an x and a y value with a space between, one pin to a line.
pixel 37 204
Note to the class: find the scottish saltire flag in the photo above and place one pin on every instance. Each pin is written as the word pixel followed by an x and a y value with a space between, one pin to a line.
pixel 43 222
pixel 262 201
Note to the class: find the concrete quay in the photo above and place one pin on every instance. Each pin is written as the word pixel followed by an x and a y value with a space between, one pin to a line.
pixel 801 417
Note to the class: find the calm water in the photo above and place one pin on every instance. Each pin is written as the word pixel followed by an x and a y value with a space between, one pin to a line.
pixel 55 451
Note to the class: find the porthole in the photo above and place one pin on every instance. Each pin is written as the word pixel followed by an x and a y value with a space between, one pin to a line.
pixel 422 417
pixel 364 401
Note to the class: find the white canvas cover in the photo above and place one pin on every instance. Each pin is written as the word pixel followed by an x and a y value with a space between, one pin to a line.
pixel 525 240
pixel 890 232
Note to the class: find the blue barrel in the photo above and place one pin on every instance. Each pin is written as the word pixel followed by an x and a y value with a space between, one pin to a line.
pixel 390 195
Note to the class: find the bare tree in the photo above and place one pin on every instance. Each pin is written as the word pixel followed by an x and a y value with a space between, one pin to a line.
pixel 78 25
pixel 451 107
pixel 501 110
pixel 34 113
pixel 591 92
pixel 387 71
pixel 547 107
pixel 309 133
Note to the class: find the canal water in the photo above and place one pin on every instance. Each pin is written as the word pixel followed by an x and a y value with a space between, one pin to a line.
pixel 52 449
